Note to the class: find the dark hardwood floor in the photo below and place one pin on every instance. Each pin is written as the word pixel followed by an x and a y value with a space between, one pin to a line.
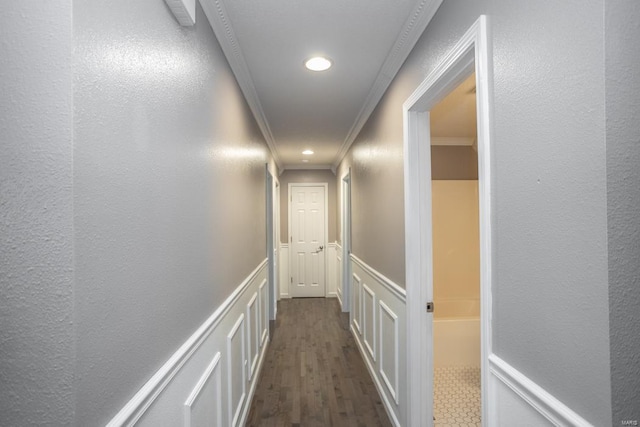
pixel 313 374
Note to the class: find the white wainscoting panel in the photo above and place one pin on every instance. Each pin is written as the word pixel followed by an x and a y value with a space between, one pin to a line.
pixel 285 274
pixel 203 406
pixel 236 362
pixel 389 362
pixel 192 387
pixel 380 311
pixel 264 312
pixel 356 308
pixel 517 400
pixel 339 273
pixel 331 291
pixel 253 333
pixel 368 320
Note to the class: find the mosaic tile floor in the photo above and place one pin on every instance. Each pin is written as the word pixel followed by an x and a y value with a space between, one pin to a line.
pixel 456 398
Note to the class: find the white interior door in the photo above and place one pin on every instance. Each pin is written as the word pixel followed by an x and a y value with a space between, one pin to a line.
pixel 308 240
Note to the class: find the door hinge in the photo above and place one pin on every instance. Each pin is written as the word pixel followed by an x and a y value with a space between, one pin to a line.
pixel 430 307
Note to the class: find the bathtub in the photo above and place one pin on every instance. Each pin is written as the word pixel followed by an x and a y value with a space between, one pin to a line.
pixel 456 333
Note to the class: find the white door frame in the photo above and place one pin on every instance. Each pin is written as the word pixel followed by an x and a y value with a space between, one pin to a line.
pixel 471 53
pixel 326 225
pixel 271 252
pixel 345 218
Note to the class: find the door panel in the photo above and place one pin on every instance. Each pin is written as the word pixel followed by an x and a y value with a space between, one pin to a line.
pixel 308 241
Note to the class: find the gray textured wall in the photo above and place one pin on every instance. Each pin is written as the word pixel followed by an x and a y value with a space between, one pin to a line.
pixel 550 247
pixel 169 182
pixel 36 215
pixel 623 192
pixel 307 176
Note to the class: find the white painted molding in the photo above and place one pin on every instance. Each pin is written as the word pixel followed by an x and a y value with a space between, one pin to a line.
pixel 547 405
pixel 135 408
pixel 413 28
pixel 388 283
pixel 253 322
pixel 234 414
pixel 184 11
pixel 387 404
pixel 369 323
pixel 393 388
pixel 264 316
pixel 216 13
pixel 332 294
pixel 195 394
pixel 252 390
pixel 357 304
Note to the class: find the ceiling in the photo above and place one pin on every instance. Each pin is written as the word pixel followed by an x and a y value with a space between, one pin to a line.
pixel 453 119
pixel 266 43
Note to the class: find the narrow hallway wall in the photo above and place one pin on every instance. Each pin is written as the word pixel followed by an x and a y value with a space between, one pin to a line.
pixel 169 191
pixel 623 204
pixel 549 187
pixel 37 350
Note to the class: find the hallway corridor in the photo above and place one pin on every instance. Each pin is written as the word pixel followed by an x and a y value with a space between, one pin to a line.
pixel 313 374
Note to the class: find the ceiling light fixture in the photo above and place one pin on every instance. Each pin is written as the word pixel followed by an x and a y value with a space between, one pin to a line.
pixel 318 63
pixel 307 152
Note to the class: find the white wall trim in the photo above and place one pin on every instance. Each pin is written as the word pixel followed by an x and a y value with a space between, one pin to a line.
pixel 357 311
pixel 369 324
pixel 195 393
pixel 388 283
pixel 387 404
pixel 253 306
pixel 234 413
pixel 136 407
pixel 547 405
pixel 413 28
pixel 393 388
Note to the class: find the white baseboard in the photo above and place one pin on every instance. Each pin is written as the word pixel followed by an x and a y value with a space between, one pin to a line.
pixel 161 400
pixel 332 295
pixel 537 399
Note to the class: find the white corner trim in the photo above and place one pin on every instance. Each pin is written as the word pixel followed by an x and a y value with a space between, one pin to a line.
pixel 547 405
pixel 388 283
pixel 385 400
pixel 216 13
pixel 135 408
pixel 413 28
pixel 184 11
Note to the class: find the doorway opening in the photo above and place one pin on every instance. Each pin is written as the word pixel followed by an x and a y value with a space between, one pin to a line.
pixel 469 57
pixel 456 258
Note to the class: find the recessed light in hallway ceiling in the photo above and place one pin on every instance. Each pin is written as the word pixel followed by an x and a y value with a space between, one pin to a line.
pixel 318 63
pixel 307 152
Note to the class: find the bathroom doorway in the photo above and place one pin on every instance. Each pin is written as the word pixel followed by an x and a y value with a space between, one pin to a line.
pixel 456 258
pixel 470 56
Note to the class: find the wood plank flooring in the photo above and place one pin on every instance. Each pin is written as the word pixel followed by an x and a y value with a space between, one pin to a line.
pixel 313 373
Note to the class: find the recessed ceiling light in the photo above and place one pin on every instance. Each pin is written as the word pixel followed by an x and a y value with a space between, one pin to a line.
pixel 318 63
pixel 307 152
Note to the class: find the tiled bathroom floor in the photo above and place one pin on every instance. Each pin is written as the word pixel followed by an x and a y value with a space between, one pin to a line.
pixel 456 398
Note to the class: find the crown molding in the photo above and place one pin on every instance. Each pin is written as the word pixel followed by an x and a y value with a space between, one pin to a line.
pixel 413 28
pixel 453 140
pixel 217 16
pixel 306 166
